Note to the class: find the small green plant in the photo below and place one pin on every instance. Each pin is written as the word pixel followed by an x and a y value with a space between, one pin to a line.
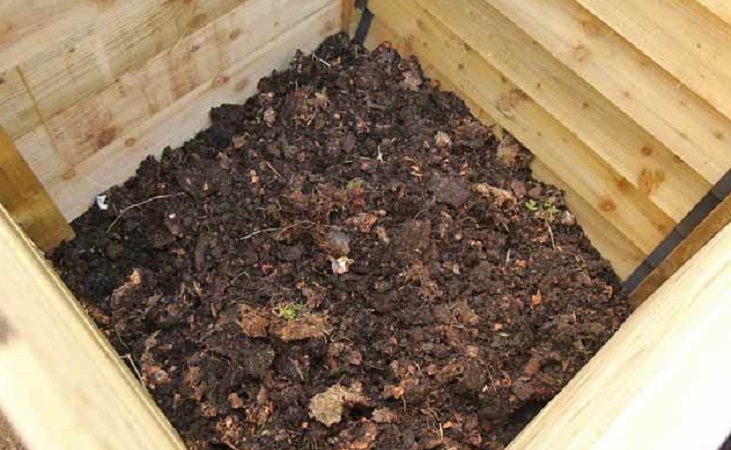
pixel 287 311
pixel 549 211
pixel 355 184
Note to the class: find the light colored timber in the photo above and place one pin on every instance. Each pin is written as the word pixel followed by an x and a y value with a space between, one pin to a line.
pixel 682 36
pixel 624 206
pixel 675 115
pixel 722 8
pixel 616 248
pixel 100 140
pixel 62 386
pixel 29 26
pixel 29 204
pixel 613 136
pixel 67 67
pixel 661 381
pixel 696 239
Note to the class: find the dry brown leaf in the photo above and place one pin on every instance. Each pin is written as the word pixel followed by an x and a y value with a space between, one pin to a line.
pixel 253 322
pixel 306 327
pixel 327 407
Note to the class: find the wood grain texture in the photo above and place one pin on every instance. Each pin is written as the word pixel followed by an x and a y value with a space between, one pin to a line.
pixel 62 386
pixel 28 27
pixel 121 37
pixel 624 206
pixel 615 247
pixel 102 138
pixel 696 239
pixel 675 115
pixel 26 199
pixel 722 8
pixel 661 379
pixel 636 155
pixel 682 36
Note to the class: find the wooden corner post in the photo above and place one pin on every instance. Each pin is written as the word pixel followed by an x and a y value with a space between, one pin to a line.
pixel 62 386
pixel 27 201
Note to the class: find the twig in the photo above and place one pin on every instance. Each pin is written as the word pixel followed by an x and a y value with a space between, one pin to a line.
pixel 323 61
pixel 279 175
pixel 255 233
pixel 137 205
pixel 128 357
pixel 550 233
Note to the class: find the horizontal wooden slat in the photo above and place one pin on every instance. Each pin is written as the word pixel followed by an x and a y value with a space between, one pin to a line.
pixel 662 379
pixel 685 123
pixel 680 35
pixel 62 386
pixel 624 256
pixel 624 206
pixel 121 37
pixel 613 136
pixel 166 101
pixel 30 26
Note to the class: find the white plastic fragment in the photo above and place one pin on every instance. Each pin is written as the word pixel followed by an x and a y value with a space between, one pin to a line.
pixel 101 202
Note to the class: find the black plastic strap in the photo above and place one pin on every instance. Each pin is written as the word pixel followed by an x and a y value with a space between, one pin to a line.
pixel 708 203
pixel 361 33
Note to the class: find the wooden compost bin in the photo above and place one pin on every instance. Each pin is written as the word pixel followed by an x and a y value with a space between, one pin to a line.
pixel 626 105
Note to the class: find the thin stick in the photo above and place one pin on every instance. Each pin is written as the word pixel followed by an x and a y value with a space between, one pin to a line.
pixel 550 233
pixel 279 175
pixel 255 233
pixel 137 205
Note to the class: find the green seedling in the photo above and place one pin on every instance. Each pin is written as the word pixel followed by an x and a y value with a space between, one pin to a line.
pixel 547 211
pixel 550 211
pixel 355 184
pixel 287 311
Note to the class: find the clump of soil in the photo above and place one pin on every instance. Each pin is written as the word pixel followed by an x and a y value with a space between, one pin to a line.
pixel 348 260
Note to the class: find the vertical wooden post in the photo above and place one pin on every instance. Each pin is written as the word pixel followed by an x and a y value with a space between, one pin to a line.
pixel 62 385
pixel 27 201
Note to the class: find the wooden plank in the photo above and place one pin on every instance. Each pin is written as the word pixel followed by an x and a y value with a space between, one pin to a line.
pixel 29 204
pixel 616 248
pixel 140 134
pixel 29 27
pixel 89 58
pixel 621 204
pixel 613 136
pixel 684 122
pixel 680 35
pixel 721 8
pixel 661 379
pixel 18 112
pixel 696 239
pixel 62 386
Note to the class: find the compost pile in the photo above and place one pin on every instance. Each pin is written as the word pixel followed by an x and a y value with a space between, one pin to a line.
pixel 349 260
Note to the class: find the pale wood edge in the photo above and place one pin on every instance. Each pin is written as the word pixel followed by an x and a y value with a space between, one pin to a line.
pixel 62 385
